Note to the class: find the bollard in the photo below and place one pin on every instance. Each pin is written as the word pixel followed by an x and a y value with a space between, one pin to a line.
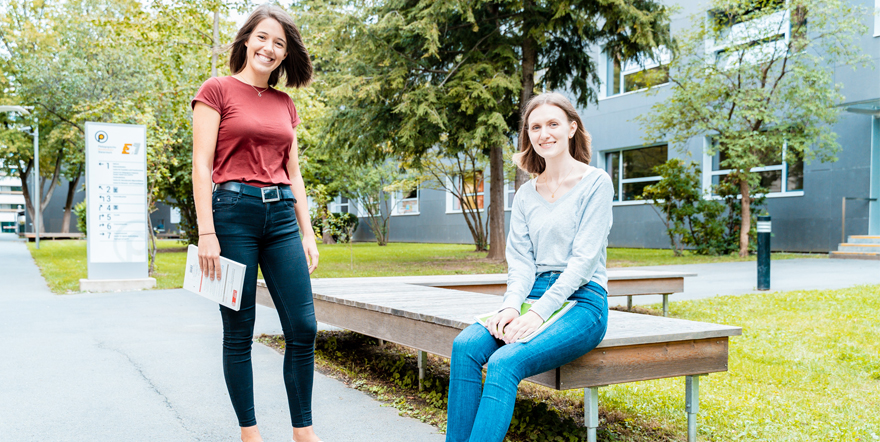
pixel 763 253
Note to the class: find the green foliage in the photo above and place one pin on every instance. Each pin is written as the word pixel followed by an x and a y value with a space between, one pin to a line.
pixel 80 211
pixel 761 94
pixel 338 224
pixel 693 219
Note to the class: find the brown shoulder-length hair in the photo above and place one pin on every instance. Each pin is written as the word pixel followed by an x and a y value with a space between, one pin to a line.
pixel 296 67
pixel 579 145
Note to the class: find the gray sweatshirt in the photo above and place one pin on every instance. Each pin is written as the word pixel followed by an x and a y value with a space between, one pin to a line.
pixel 569 235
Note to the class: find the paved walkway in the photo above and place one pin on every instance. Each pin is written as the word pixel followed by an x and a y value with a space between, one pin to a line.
pixel 145 366
pixel 738 278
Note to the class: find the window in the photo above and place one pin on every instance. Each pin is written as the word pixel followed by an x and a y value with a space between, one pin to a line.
pixel 876 18
pixel 405 204
pixel 629 76
pixel 755 35
pixel 782 176
pixel 470 186
pixel 509 192
pixel 632 170
pixel 340 204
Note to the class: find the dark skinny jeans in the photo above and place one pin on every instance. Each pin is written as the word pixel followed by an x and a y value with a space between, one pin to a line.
pixel 253 232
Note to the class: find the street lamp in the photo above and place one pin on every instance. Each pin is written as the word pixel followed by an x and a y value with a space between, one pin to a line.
pixel 25 110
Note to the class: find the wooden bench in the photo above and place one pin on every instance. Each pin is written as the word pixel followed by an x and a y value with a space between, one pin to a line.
pixel 423 313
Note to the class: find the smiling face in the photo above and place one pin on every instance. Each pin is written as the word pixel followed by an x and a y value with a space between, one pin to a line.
pixel 266 47
pixel 550 131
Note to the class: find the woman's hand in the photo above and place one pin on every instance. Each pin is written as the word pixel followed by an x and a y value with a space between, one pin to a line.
pixel 209 256
pixel 311 249
pixel 497 323
pixel 521 327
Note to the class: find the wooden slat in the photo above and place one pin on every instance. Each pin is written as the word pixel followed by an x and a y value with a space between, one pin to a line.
pixel 432 338
pixel 617 287
pixel 642 362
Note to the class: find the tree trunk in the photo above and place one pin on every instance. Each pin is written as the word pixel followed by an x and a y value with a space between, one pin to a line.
pixel 529 61
pixel 496 205
pixel 746 214
pixel 68 205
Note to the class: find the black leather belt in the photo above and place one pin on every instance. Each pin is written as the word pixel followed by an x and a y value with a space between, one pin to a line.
pixel 267 194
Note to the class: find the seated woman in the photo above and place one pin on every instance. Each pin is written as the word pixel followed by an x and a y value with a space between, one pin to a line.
pixel 555 252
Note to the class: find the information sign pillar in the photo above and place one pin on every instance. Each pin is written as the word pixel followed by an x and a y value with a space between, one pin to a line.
pixel 116 207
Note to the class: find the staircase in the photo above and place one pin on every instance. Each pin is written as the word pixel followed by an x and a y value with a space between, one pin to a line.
pixel 858 247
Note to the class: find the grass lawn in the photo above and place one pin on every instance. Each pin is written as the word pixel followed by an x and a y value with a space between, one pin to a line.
pixel 807 368
pixel 64 263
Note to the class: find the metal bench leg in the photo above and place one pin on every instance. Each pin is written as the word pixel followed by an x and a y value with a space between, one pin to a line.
pixel 423 367
pixel 629 303
pixel 692 404
pixel 591 412
pixel 666 304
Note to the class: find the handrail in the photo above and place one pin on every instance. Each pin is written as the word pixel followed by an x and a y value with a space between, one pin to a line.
pixel 843 214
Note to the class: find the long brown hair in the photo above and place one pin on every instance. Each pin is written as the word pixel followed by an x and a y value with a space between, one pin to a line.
pixel 579 145
pixel 296 67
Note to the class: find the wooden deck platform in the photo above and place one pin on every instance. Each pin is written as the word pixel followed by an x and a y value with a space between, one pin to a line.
pixel 423 312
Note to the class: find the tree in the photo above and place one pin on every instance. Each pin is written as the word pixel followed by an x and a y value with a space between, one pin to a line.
pixel 763 88
pixel 555 37
pixel 403 73
pixel 462 173
pixel 369 187
pixel 405 78
pixel 61 59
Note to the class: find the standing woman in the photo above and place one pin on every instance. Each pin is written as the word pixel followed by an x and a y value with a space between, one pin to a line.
pixel 555 251
pixel 244 139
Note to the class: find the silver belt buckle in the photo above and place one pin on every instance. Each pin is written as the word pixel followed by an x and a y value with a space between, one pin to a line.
pixel 270 194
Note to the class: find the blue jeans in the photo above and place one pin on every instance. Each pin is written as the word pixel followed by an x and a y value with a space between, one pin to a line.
pixel 478 414
pixel 253 232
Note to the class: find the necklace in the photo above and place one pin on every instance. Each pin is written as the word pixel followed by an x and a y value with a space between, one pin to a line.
pixel 553 193
pixel 259 92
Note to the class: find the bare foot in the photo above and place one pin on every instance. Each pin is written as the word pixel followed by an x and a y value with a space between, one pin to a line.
pixel 250 434
pixel 305 434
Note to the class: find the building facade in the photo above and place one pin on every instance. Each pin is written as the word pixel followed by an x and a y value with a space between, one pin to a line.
pixel 804 199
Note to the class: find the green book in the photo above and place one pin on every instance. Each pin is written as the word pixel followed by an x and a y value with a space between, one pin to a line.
pixel 566 306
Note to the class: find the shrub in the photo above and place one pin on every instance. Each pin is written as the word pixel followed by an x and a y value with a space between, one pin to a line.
pixel 80 211
pixel 338 224
pixel 693 219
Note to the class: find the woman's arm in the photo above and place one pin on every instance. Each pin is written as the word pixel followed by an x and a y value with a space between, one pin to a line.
pixel 302 209
pixel 206 123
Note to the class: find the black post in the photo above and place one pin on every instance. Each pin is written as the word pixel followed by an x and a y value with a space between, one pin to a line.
pixel 763 253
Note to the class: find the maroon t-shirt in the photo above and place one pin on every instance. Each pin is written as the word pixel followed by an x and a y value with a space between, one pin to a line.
pixel 256 132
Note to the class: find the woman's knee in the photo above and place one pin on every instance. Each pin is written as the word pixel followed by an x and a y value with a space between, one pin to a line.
pixel 469 341
pixel 302 332
pixel 504 364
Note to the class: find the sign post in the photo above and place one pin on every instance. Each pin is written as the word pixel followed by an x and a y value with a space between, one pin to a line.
pixel 764 229
pixel 116 207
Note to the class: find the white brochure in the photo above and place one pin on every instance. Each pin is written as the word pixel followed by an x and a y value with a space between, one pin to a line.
pixel 226 291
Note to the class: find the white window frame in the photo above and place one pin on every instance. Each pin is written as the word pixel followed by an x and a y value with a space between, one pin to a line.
pixel 876 18
pixel 739 34
pixel 337 204
pixel 450 198
pixel 662 56
pixel 709 174
pixel 509 187
pixel 397 200
pixel 621 181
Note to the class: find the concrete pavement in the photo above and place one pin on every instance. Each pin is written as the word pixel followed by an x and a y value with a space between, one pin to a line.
pixel 145 366
pixel 739 278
